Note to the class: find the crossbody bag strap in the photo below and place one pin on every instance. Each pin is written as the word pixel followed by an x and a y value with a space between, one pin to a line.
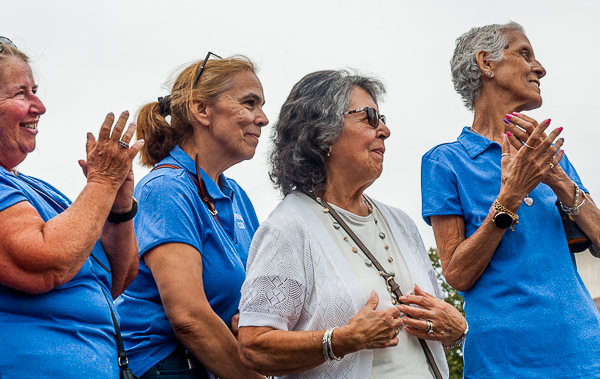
pixel 384 274
pixel 125 371
pixel 199 182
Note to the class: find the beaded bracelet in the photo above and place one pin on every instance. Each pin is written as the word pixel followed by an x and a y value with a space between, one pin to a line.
pixel 573 211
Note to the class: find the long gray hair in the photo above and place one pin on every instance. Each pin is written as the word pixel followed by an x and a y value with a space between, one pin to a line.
pixel 311 119
pixel 466 74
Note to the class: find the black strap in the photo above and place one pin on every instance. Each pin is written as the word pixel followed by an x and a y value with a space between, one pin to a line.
pixel 384 274
pixel 202 191
pixel 125 371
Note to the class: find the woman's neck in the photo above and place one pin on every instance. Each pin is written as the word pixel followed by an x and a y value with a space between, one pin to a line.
pixel 210 157
pixel 488 120
pixel 346 195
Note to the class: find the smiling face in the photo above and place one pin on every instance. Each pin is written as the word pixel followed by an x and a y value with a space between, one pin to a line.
pixel 518 74
pixel 20 110
pixel 358 152
pixel 237 117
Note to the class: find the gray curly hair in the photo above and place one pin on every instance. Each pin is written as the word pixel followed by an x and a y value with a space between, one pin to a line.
pixel 466 75
pixel 311 119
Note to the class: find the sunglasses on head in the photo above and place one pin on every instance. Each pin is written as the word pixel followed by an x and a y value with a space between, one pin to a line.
pixel 202 67
pixel 372 115
pixel 6 41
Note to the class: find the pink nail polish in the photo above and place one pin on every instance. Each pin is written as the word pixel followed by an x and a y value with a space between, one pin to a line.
pixel 509 134
pixel 126 112
pixel 516 114
pixel 560 129
pixel 547 121
pixel 562 151
pixel 508 116
pixel 506 121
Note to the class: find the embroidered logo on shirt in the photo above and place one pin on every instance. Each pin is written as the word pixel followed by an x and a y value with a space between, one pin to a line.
pixel 240 221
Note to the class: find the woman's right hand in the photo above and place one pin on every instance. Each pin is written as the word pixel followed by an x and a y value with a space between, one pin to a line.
pixel 371 328
pixel 108 162
pixel 523 170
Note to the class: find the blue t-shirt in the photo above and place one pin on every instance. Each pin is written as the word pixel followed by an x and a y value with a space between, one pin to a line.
pixel 529 313
pixel 64 333
pixel 170 211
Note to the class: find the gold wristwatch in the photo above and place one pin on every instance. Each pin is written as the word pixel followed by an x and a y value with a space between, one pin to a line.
pixel 503 217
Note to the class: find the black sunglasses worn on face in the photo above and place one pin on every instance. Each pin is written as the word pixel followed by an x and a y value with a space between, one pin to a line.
pixel 202 67
pixel 372 115
pixel 6 41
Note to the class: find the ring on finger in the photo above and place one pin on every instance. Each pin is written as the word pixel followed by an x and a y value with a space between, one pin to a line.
pixel 505 154
pixel 429 329
pixel 531 147
pixel 124 144
pixel 396 331
pixel 551 165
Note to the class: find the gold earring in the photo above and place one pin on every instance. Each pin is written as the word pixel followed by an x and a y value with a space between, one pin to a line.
pixel 329 152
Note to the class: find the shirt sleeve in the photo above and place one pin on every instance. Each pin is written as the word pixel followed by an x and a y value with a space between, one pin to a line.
pixel 9 194
pixel 570 171
pixel 275 287
pixel 439 190
pixel 167 213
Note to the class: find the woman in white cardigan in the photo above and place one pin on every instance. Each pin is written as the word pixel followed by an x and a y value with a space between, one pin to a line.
pixel 315 304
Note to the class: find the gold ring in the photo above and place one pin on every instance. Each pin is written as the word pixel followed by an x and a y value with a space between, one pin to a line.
pixel 533 148
pixel 551 165
pixel 396 331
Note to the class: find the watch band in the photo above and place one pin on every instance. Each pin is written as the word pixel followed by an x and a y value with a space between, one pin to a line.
pixel 117 218
pixel 501 213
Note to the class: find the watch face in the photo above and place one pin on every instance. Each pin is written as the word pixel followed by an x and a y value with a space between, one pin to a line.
pixel 503 221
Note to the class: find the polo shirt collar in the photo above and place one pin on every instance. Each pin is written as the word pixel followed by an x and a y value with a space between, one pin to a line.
pixel 214 191
pixel 473 143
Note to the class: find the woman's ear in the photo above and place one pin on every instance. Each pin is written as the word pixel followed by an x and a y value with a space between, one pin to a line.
pixel 485 64
pixel 200 112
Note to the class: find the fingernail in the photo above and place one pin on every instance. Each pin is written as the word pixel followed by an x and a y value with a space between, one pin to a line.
pixel 560 129
pixel 503 136
pixel 88 135
pixel 506 121
pixel 547 121
pixel 401 308
pixel 373 293
pixel 562 140
pixel 508 116
pixel 126 112
pixel 403 298
pixel 133 124
pixel 562 151
pixel 509 134
pixel 111 114
pixel 142 141
pixel 516 114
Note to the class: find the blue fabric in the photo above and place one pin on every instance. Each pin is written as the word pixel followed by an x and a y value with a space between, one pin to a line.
pixel 530 315
pixel 170 210
pixel 66 332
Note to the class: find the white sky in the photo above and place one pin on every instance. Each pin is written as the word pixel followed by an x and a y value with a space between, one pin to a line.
pixel 91 58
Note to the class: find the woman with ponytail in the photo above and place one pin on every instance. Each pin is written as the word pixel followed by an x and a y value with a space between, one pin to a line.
pixel 194 225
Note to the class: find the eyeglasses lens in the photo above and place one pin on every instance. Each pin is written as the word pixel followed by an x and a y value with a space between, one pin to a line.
pixel 373 117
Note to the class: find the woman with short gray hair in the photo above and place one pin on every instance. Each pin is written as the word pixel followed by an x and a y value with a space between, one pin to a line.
pixel 326 273
pixel 529 312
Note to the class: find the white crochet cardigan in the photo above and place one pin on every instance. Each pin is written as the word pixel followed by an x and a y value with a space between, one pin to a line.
pixel 298 279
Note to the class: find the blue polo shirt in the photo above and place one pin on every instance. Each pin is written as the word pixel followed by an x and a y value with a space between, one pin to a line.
pixel 64 333
pixel 530 315
pixel 171 211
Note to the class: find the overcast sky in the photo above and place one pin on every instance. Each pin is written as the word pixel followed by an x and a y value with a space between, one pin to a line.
pixel 91 58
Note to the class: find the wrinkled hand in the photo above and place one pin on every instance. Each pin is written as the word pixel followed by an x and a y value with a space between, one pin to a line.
pixel 111 164
pixel 523 133
pixel 524 169
pixel 448 323
pixel 235 322
pixel 374 329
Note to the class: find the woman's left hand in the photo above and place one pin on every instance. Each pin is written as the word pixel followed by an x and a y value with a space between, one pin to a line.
pixel 448 324
pixel 521 127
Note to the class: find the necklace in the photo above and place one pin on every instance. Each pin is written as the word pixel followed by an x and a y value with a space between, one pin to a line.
pixel 355 249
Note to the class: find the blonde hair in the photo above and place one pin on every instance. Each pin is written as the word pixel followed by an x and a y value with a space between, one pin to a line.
pixel 160 135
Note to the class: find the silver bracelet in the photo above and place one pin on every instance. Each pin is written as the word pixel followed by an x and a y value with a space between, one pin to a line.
pixel 573 211
pixel 462 338
pixel 326 337
pixel 329 348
